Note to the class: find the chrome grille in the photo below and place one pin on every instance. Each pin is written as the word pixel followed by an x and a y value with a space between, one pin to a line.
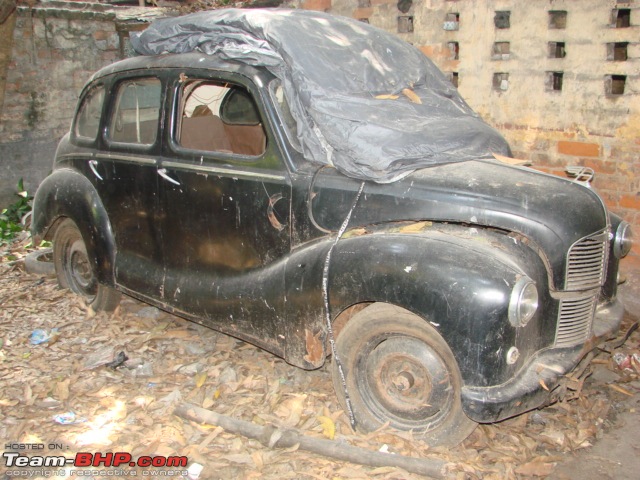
pixel 574 321
pixel 586 263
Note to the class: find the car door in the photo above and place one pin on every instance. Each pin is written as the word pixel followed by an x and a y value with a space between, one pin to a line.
pixel 125 172
pixel 225 197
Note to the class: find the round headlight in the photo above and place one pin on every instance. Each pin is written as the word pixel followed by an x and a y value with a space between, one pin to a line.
pixel 623 240
pixel 523 303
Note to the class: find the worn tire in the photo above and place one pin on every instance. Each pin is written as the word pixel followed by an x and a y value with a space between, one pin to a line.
pixel 398 369
pixel 74 270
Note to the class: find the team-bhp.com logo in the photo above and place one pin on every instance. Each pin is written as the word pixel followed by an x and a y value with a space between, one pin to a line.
pixel 89 460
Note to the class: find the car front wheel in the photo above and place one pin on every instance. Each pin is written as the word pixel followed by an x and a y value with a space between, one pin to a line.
pixel 398 369
pixel 74 269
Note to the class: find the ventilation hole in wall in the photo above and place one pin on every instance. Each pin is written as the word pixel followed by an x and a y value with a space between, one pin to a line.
pixel 621 17
pixel 363 20
pixel 501 81
pixel 556 50
pixel 451 21
pixel 405 24
pixel 557 19
pixel 454 50
pixel 617 51
pixel 364 3
pixel 501 51
pixel 502 19
pixel 614 84
pixel 453 78
pixel 553 81
pixel 405 5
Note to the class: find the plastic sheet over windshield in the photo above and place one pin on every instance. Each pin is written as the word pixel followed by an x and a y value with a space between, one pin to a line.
pixel 362 99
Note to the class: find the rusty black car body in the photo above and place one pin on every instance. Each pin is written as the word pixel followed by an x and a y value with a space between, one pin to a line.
pixel 431 269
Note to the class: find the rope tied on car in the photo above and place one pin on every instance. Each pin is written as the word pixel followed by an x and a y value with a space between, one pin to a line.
pixel 325 296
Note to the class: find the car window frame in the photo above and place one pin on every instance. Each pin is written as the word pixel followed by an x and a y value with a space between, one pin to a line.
pixel 82 140
pixel 290 135
pixel 116 82
pixel 174 91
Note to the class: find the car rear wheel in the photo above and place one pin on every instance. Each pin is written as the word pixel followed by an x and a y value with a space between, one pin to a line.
pixel 74 269
pixel 398 369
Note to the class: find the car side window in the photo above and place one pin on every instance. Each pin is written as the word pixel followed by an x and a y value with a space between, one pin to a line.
pixel 219 117
pixel 88 117
pixel 137 111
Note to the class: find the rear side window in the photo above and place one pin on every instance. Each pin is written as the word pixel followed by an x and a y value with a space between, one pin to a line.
pixel 219 117
pixel 88 118
pixel 137 111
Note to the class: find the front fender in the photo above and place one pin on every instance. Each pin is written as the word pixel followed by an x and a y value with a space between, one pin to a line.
pixel 459 279
pixel 67 193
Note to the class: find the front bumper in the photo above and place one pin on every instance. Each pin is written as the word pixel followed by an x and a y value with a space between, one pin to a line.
pixel 548 367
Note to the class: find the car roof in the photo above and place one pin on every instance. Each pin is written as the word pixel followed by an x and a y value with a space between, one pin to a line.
pixel 181 61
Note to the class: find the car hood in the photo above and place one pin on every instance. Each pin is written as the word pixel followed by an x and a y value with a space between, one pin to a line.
pixel 551 211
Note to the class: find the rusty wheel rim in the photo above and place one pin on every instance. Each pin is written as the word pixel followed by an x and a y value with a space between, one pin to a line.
pixel 407 382
pixel 81 276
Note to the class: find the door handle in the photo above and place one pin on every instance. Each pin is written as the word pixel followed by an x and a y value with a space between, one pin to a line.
pixel 163 173
pixel 92 165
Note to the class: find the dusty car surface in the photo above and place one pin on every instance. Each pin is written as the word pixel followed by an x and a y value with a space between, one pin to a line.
pixel 450 289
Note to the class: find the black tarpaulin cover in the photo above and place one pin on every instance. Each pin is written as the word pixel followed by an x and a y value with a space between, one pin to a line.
pixel 364 100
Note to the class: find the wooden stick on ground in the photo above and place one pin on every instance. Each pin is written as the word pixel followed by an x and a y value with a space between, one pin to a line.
pixel 275 438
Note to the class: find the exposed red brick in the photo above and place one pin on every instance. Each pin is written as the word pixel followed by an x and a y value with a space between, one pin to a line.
pixel 630 201
pixel 544 169
pixel 579 149
pixel 449 65
pixel 612 183
pixel 362 13
pixel 599 166
pixel 101 35
pixel 427 50
pixel 321 5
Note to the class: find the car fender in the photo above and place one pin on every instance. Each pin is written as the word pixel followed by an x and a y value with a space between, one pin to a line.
pixel 461 286
pixel 67 193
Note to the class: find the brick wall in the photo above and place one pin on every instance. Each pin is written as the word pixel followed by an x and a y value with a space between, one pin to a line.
pixel 553 89
pixel 56 48
pixel 559 79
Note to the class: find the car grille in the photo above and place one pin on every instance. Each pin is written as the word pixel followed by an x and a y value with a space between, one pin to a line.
pixel 586 263
pixel 574 321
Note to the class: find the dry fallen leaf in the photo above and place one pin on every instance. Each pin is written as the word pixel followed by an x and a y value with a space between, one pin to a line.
pixel 328 427
pixel 535 469
pixel 411 95
pixel 387 97
pixel 200 378
pixel 615 387
pixel 291 408
pixel 61 390
pixel 416 227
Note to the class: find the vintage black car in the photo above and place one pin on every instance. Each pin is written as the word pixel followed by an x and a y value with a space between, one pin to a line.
pixel 456 294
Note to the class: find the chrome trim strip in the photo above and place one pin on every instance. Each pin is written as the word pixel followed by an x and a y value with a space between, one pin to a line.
pixel 223 171
pixel 127 158
pixel 80 155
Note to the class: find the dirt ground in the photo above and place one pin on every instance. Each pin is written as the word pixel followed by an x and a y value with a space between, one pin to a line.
pixel 171 360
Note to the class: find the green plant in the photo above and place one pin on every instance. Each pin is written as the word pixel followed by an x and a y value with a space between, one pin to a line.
pixel 12 218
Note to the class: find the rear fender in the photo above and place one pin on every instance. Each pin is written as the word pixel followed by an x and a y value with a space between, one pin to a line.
pixel 68 194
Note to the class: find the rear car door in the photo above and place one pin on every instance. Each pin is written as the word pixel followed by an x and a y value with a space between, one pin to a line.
pixel 125 172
